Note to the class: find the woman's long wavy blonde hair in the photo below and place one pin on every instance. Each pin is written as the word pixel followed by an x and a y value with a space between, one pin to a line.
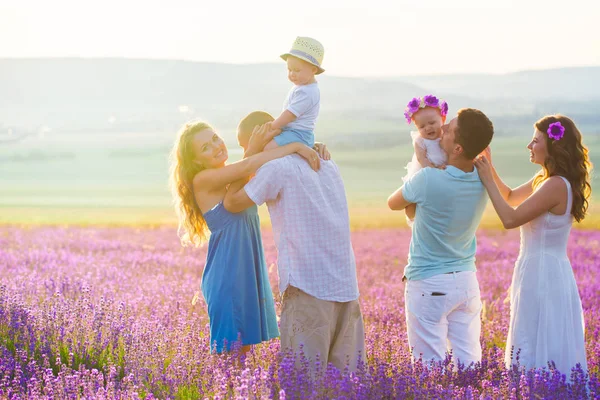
pixel 192 228
pixel 567 157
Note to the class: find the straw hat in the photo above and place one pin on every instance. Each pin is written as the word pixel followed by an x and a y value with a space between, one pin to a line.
pixel 309 50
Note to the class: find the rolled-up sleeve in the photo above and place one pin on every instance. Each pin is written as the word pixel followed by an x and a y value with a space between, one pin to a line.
pixel 267 183
pixel 414 189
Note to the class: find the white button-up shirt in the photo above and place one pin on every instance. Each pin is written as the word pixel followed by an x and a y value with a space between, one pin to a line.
pixel 311 226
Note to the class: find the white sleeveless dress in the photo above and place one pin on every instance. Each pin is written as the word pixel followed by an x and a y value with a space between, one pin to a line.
pixel 546 317
pixel 435 154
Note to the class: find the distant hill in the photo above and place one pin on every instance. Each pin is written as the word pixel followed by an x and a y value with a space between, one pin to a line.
pixel 565 84
pixel 83 95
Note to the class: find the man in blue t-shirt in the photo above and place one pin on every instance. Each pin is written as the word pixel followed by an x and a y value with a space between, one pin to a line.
pixel 442 297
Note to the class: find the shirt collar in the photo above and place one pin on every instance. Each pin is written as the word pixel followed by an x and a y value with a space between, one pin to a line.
pixel 459 173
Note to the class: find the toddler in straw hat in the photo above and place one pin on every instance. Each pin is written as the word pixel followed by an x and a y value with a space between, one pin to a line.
pixel 301 107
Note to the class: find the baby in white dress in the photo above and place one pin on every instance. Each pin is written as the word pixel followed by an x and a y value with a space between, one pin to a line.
pixel 428 114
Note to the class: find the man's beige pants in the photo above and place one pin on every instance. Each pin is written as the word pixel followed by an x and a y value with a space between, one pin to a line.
pixel 331 329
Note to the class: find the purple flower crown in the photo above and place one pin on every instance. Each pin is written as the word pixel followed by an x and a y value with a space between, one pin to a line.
pixel 556 131
pixel 427 101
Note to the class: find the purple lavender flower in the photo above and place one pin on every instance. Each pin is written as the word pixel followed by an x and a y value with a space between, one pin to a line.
pixel 444 108
pixel 431 100
pixel 408 117
pixel 414 104
pixel 155 349
pixel 556 131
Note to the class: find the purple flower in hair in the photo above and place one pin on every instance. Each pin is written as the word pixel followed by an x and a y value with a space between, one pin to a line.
pixel 427 101
pixel 443 108
pixel 413 105
pixel 556 131
pixel 431 100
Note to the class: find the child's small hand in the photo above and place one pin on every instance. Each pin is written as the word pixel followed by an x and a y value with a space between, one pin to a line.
pixel 321 148
pixel 261 135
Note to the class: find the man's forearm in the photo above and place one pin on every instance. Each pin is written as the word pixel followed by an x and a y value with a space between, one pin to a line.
pixel 236 186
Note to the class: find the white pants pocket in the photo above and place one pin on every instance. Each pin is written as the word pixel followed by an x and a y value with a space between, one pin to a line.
pixel 425 306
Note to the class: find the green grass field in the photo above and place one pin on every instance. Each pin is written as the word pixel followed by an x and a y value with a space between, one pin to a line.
pixel 102 181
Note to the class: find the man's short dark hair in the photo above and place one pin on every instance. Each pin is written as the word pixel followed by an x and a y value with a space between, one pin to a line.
pixel 474 131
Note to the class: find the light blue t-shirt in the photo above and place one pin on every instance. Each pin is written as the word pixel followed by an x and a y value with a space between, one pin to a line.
pixel 450 204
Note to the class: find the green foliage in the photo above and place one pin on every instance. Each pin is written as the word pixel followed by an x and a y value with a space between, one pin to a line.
pixel 99 187
pixel 187 392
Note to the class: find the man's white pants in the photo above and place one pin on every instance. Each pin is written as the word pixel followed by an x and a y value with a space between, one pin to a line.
pixel 443 314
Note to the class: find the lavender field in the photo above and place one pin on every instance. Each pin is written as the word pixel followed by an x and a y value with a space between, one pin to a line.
pixel 107 313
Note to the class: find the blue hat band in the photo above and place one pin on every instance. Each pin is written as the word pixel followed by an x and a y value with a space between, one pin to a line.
pixel 305 55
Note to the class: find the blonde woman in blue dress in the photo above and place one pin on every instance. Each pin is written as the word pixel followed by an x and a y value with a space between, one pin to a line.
pixel 546 316
pixel 235 281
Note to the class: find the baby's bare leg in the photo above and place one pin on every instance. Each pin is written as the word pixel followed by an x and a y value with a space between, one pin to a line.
pixel 271 145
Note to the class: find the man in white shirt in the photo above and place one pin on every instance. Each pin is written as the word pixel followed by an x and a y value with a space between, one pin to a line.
pixel 316 265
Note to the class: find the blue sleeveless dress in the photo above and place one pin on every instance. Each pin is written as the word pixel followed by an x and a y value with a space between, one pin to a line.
pixel 235 282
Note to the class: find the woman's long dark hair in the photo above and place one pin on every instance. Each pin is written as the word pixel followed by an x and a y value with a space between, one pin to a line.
pixel 567 157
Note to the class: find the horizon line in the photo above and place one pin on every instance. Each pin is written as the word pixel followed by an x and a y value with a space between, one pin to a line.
pixel 566 67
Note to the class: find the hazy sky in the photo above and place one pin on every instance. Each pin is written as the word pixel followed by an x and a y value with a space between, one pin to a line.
pixel 361 38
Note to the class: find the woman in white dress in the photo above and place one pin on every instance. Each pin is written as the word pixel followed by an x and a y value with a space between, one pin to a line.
pixel 546 317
